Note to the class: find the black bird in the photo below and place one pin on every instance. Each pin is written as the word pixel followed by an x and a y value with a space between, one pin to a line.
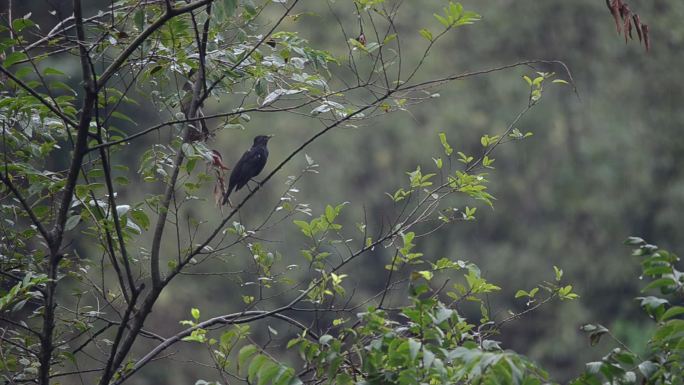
pixel 249 166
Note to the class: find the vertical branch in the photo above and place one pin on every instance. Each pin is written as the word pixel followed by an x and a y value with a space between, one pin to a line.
pixel 161 222
pixel 106 167
pixel 191 112
pixel 115 214
pixel 10 16
pixel 57 233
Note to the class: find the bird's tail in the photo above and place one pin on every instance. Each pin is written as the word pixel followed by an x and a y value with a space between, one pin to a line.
pixel 226 195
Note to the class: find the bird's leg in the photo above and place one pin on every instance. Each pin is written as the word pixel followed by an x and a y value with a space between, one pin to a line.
pixel 255 181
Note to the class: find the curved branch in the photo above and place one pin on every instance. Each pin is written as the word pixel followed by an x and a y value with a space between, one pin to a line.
pixel 229 319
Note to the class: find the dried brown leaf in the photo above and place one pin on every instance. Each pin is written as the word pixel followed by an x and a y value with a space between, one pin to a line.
pixel 626 15
pixel 637 25
pixel 647 40
pixel 217 160
pixel 614 7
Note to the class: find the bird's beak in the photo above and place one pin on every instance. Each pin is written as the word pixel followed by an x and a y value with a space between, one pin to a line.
pixel 270 136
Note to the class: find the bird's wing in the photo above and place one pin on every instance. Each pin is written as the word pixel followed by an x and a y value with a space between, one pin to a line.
pixel 250 165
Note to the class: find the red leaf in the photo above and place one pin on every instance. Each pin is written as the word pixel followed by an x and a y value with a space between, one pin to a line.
pixel 637 25
pixel 218 194
pixel 217 160
pixel 362 39
pixel 614 7
pixel 647 41
pixel 220 187
pixel 626 15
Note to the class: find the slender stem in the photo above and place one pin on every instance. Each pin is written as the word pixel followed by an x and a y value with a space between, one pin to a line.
pixel 57 233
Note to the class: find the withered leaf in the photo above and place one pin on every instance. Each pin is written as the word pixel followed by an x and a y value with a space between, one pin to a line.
pixel 217 160
pixel 647 41
pixel 637 25
pixel 614 7
pixel 626 15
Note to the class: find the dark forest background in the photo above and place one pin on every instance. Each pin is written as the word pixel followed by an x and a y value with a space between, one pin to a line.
pixel 600 167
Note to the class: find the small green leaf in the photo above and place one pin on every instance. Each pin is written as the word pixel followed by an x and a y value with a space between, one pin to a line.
pixel 426 34
pixel 52 71
pixel 14 57
pixel 245 353
pixel 528 80
pixel 672 312
pixel 648 368
pixel 447 148
pixel 268 372
pixel 255 366
pixel 414 348
pixel 229 7
pixel 72 222
pixel 559 273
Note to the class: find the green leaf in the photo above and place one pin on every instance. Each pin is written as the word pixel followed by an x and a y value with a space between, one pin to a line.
pixel 559 273
pixel 268 372
pixel 72 222
pixel 672 312
pixel 426 34
pixel 195 313
pixel 438 162
pixel 447 148
pixel 287 378
pixel 229 7
pixel 140 217
pixel 389 38
pixel 414 348
pixel 442 20
pixel 244 354
pixel 635 241
pixel 256 364
pixel 19 24
pixel 325 339
pixel 294 342
pixel 428 358
pixel 330 214
pixel 119 115
pixel 594 367
pixel 304 226
pixel 139 19
pixel 528 80
pixel 648 368
pixel 14 57
pixel 659 283
pixel 52 71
